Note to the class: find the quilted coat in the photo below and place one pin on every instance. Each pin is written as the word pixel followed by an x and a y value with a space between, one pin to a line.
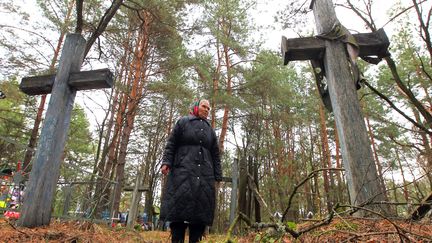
pixel 192 154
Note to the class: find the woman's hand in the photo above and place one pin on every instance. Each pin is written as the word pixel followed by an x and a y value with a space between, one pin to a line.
pixel 165 169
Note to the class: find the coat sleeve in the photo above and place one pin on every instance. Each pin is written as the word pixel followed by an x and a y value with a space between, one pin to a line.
pixel 171 145
pixel 216 158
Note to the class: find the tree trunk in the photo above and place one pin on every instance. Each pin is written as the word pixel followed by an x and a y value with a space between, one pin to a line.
pixel 257 205
pixel 405 189
pixel 340 179
pixel 377 161
pixel 243 181
pixel 227 106
pixel 234 189
pixel 133 100
pixel 325 160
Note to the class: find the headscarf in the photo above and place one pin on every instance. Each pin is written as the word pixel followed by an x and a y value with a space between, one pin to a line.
pixel 195 107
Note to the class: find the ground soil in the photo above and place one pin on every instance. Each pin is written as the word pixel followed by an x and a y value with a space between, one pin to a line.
pixel 340 230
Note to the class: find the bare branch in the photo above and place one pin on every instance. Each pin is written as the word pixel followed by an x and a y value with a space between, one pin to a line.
pixel 296 187
pixel 31 32
pixel 397 109
pixel 103 23
pixel 400 13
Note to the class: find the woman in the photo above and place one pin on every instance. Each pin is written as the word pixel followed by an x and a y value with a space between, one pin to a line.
pixel 192 162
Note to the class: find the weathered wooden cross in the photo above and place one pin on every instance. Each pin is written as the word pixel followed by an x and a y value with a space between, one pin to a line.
pixel 361 172
pixel 39 193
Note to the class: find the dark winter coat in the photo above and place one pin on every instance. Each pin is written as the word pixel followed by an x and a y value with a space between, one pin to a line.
pixel 192 154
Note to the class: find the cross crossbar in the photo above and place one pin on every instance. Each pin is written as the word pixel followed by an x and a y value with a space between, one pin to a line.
pixel 312 48
pixel 131 188
pixel 94 79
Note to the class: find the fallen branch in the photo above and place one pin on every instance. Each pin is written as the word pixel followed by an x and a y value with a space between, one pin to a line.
pixel 245 218
pixel 22 232
pixel 231 228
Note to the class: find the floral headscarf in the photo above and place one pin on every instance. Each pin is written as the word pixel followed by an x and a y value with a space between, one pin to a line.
pixel 194 107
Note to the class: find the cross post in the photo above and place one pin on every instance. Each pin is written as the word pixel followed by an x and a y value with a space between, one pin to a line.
pixel 39 192
pixel 361 172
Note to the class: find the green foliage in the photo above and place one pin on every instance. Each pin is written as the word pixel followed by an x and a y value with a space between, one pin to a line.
pixel 138 227
pixel 16 112
pixel 79 145
pixel 291 225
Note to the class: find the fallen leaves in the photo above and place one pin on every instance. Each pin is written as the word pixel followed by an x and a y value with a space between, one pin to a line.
pixel 339 230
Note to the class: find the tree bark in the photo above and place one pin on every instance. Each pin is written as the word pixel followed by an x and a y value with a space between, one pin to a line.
pixel 229 93
pixel 325 159
pixel 139 79
pixel 378 163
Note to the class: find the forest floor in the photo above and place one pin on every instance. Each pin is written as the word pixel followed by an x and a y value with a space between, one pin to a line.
pixel 339 230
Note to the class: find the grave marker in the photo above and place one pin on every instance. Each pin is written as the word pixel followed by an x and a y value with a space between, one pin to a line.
pixel 39 193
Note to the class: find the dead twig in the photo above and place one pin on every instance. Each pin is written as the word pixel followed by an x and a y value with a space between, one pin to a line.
pixel 15 228
pixel 311 175
pixel 398 229
pixel 369 234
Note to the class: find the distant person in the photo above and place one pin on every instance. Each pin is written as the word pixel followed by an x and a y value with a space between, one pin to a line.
pixel 192 162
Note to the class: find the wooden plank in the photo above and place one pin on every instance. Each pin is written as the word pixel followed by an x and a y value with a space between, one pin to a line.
pixel 298 49
pixel 37 85
pixel 234 188
pixel 67 190
pixel 308 48
pixel 136 198
pixel 94 79
pixel 373 44
pixel 130 189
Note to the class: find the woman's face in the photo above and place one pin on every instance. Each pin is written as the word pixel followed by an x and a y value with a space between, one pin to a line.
pixel 203 109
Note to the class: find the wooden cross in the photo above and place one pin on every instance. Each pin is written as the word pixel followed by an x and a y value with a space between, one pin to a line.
pixel 361 172
pixel 39 193
pixel 372 47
